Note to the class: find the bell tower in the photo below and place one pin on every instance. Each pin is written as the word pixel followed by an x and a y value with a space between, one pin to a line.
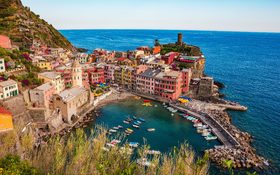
pixel 77 74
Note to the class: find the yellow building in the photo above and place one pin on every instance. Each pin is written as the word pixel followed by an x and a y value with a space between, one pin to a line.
pixel 6 120
pixel 54 78
pixel 44 64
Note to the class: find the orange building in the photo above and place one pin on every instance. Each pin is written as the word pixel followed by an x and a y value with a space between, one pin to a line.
pixel 5 42
pixel 6 120
pixel 156 49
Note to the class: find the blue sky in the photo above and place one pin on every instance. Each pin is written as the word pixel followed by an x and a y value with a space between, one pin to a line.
pixel 228 15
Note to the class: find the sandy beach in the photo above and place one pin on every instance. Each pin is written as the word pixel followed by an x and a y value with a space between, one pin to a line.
pixel 116 96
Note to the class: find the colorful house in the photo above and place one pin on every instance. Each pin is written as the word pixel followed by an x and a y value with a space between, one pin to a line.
pixel 196 63
pixel 5 42
pixel 41 96
pixel 54 78
pixel 6 120
pixel 8 89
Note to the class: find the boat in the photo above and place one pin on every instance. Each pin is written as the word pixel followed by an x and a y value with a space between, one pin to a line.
pixel 210 137
pixel 135 118
pixel 199 130
pixel 198 125
pixel 142 120
pixel 128 129
pixel 115 127
pixel 156 106
pixel 112 130
pixel 126 122
pixel 114 142
pixel 120 126
pixel 205 133
pixel 136 126
pixel 144 162
pixel 203 127
pixel 133 144
pixel 152 152
pixel 151 129
pixel 147 104
pixel 138 122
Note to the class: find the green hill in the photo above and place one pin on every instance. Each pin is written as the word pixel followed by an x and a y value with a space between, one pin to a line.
pixel 23 26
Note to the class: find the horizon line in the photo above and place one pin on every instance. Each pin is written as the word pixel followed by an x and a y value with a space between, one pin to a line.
pixel 205 30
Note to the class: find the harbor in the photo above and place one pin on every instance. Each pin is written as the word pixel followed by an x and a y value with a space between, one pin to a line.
pixel 159 128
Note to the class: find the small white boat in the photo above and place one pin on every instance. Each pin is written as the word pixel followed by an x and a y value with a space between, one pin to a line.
pixel 199 130
pixel 211 137
pixel 126 122
pixel 205 133
pixel 152 152
pixel 136 126
pixel 115 127
pixel 151 129
pixel 112 130
pixel 133 144
pixel 120 126
pixel 115 142
pixel 198 125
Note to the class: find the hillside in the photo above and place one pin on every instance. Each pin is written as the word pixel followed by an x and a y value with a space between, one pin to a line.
pixel 23 26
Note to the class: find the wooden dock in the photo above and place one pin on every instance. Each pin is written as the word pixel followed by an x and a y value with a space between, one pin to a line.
pixel 223 135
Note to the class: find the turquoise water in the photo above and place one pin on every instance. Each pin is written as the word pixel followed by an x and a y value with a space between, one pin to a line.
pixel 170 130
pixel 247 63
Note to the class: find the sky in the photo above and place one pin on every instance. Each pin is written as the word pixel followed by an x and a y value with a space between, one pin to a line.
pixel 222 15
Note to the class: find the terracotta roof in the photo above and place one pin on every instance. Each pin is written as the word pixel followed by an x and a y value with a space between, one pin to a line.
pixel 4 111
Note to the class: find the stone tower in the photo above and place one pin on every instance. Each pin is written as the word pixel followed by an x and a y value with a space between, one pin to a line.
pixel 180 39
pixel 77 74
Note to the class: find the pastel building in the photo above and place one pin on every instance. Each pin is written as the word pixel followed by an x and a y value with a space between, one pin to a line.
pixel 170 57
pixel 2 65
pixel 168 84
pixel 196 63
pixel 6 120
pixel 109 70
pixel 96 75
pixel 8 89
pixel 54 78
pixel 5 42
pixel 44 64
pixel 41 96
pixel 160 82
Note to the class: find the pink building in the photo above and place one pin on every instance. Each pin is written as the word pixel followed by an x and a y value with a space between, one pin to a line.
pixel 109 70
pixel 5 42
pixel 164 83
pixel 96 75
pixel 41 96
pixel 186 78
pixel 170 57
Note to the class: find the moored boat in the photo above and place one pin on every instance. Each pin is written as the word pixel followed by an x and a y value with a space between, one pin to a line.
pixel 112 130
pixel 133 144
pixel 142 120
pixel 151 129
pixel 136 126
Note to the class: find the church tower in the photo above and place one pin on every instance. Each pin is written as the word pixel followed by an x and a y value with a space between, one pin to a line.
pixel 77 74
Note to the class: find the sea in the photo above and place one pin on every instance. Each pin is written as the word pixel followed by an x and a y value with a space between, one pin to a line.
pixel 248 64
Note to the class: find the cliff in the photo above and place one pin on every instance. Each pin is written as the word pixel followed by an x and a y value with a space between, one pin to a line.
pixel 23 26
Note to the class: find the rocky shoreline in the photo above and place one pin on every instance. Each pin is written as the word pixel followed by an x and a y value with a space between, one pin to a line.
pixel 242 155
